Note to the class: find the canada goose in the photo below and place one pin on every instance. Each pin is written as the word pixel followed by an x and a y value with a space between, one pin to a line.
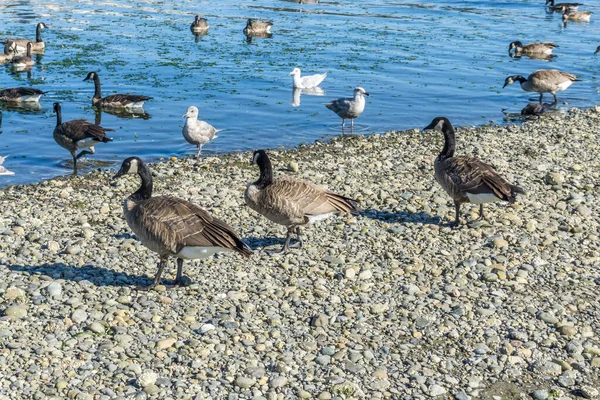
pixel 78 134
pixel 4 171
pixel 197 132
pixel 20 45
pixel 349 108
pixel 532 48
pixel 597 50
pixel 291 202
pixel 257 28
pixel 561 6
pixel 23 62
pixel 306 82
pixel 467 179
pixel 577 16
pixel 126 101
pixel 173 227
pixel 543 81
pixel 200 25
pixel 21 95
pixel 8 55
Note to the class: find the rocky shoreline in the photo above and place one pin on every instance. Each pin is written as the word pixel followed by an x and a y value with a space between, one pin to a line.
pixel 389 304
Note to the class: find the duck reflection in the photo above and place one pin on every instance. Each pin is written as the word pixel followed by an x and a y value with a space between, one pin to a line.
pixel 120 113
pixel 297 93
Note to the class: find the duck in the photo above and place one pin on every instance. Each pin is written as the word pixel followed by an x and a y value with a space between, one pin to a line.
pixel 291 202
pixel 23 62
pixel 200 25
pixel 306 82
pixel 78 134
pixel 20 45
pixel 467 179
pixel 173 227
pixel 197 132
pixel 577 16
pixel 349 107
pixel 257 27
pixel 532 48
pixel 543 81
pixel 114 101
pixel 21 95
pixel 3 170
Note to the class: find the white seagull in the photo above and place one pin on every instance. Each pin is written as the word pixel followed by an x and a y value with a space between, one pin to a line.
pixel 306 82
pixel 197 132
pixel 4 171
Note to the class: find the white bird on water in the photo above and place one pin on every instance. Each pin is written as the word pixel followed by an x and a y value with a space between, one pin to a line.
pixel 4 171
pixel 197 132
pixel 306 82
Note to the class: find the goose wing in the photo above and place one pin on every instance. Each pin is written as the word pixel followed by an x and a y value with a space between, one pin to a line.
pixel 176 223
pixel 81 129
pixel 124 98
pixel 472 176
pixel 19 92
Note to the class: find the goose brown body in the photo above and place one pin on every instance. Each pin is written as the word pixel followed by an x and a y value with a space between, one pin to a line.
pixel 21 95
pixel 468 179
pixel 173 227
pixel 114 101
pixel 291 202
pixel 20 44
pixel 77 135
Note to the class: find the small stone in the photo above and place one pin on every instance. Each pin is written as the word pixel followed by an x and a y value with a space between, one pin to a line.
pixel 244 382
pixel 436 390
pixel 547 317
pixel 320 320
pixel 54 290
pixel 499 242
pixel 79 316
pixel 549 368
pixel 278 381
pixel 147 379
pixel 325 396
pixel 207 328
pixel 293 166
pixel 554 178
pixel 105 209
pixel 97 327
pixel 568 330
pixel 73 249
pixel 366 274
pixel 151 389
pixel 19 231
pixel 16 312
pixel 566 380
pixel 540 394
pixel 379 308
pixel 165 343
pixel 303 394
pixel 588 392
pixel 14 293
pixel 53 246
pixel 60 385
pixel 462 396
pixel 350 273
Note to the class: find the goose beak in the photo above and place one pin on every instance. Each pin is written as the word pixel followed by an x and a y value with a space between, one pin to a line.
pixel 505 85
pixel 119 174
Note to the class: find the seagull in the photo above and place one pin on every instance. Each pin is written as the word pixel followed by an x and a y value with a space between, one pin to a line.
pixel 349 107
pixel 306 82
pixel 4 171
pixel 197 132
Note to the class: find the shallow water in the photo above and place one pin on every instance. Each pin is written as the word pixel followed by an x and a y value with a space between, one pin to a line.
pixel 417 60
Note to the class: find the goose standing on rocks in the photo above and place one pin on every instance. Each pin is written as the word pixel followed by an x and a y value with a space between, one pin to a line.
pixel 23 62
pixel 21 95
pixel 291 202
pixel 467 179
pixel 543 81
pixel 306 82
pixel 577 16
pixel 78 134
pixel 349 107
pixel 199 26
pixel 544 48
pixel 197 132
pixel 20 45
pixel 4 171
pixel 174 227
pixel 114 101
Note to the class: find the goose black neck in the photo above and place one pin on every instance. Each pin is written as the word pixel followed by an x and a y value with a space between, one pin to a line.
pixel 520 79
pixel 266 172
pixel 97 88
pixel 38 34
pixel 449 142
pixel 58 116
pixel 145 190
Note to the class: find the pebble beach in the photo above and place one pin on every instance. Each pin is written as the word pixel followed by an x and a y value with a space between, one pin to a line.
pixel 389 304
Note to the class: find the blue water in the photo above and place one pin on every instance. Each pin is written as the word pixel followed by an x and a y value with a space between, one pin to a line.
pixel 417 60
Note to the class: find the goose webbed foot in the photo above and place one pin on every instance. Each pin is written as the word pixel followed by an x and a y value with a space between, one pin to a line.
pixel 299 243
pixel 481 215
pixel 285 248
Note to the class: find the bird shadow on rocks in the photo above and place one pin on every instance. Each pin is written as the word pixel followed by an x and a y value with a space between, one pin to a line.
pixel 97 276
pixel 402 217
pixel 257 243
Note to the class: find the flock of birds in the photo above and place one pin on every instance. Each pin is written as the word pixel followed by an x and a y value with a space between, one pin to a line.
pixel 173 227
